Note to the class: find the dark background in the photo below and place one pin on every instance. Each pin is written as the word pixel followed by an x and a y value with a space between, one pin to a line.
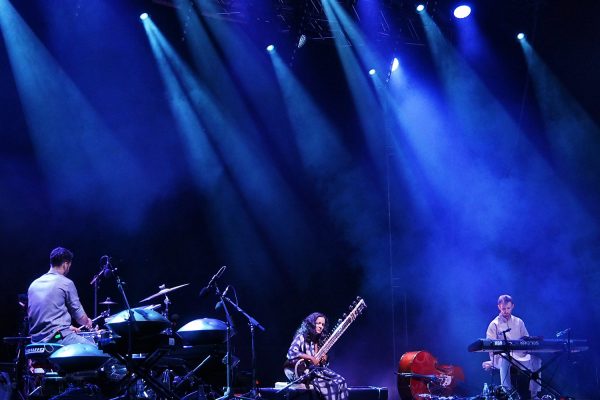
pixel 484 189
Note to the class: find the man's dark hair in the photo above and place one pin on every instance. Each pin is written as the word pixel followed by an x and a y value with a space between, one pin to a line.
pixel 59 255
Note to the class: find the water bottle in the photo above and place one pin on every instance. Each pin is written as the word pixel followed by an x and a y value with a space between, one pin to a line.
pixel 486 391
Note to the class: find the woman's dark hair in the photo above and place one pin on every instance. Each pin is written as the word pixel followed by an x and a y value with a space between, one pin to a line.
pixel 308 330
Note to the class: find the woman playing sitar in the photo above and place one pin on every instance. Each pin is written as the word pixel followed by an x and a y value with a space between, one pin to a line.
pixel 302 359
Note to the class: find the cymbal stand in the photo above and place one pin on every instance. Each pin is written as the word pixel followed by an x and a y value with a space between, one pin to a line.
pixel 142 371
pixel 165 313
pixel 252 323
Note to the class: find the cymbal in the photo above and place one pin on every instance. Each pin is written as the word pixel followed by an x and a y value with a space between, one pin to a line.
pixel 108 302
pixel 163 291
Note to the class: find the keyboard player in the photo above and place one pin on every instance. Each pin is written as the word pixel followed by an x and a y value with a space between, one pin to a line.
pixel 514 328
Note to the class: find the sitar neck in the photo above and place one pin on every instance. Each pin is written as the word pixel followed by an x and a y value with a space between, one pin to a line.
pixel 341 328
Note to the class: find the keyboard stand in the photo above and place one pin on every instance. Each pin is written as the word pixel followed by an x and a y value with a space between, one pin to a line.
pixel 532 375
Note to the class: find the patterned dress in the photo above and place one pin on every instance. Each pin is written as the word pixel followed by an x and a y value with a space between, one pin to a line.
pixel 330 385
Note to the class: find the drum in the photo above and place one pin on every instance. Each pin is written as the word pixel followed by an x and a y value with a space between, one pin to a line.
pixel 147 322
pixel 203 331
pixel 79 357
pixel 92 336
pixel 41 351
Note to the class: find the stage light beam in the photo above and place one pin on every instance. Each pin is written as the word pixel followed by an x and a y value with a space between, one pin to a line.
pixel 372 71
pixel 520 36
pixel 144 16
pixel 420 8
pixel 270 48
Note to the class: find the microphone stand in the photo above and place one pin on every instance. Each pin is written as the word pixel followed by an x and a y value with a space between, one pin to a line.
pixel 252 323
pixel 301 378
pixel 96 279
pixel 131 318
pixel 228 391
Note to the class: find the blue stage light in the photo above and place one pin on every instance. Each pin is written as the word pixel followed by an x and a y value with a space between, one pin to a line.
pixel 270 48
pixel 420 8
pixel 395 64
pixel 521 36
pixel 462 11
pixel 144 16
pixel 301 40
pixel 372 71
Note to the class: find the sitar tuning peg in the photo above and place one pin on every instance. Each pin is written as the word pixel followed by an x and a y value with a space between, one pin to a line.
pixel 339 321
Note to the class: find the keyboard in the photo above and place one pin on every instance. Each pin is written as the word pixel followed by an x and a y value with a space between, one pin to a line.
pixel 531 345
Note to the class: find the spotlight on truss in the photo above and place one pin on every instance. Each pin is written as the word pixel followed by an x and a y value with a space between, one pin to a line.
pixel 521 36
pixel 420 8
pixel 144 16
pixel 301 40
pixel 271 48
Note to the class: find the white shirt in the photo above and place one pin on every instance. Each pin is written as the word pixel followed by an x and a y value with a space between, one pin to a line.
pixel 501 324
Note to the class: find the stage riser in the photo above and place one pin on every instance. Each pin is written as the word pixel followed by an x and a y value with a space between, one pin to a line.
pixel 356 393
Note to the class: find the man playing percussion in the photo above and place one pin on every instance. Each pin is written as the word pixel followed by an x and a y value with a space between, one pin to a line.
pixel 54 303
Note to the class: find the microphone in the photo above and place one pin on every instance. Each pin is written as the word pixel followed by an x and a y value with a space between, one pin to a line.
pixel 506 330
pixel 220 302
pixel 216 276
pixel 105 269
pixel 563 332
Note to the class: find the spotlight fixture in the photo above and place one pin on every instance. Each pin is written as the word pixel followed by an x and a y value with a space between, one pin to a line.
pixel 372 71
pixel 270 48
pixel 301 40
pixel 144 16
pixel 521 36
pixel 420 8
pixel 395 64
pixel 462 11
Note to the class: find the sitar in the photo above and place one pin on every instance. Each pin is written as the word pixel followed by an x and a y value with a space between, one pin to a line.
pixel 298 367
